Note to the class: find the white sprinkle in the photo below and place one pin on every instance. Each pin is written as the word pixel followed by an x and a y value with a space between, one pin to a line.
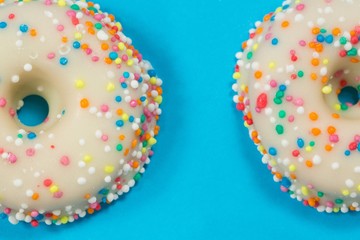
pixel 357 169
pixel 29 193
pixel 349 183
pixel 18 142
pixel 102 35
pixel 15 78
pixel 125 188
pixel 110 74
pixel 91 170
pixel 317 159
pixel 19 43
pixel 134 84
pixel 81 181
pixel 82 142
pixel 18 182
pixel 284 143
pixel 81 164
pixel 300 110
pixel 98 134
pixel 107 179
pixel 335 165
pixel 107 148
pixel 28 67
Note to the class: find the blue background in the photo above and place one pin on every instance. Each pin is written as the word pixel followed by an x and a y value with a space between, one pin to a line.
pixel 206 180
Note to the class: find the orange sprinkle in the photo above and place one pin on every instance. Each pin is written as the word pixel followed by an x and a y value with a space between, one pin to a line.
pixel 328 147
pixel 33 32
pixel 336 115
pixel 119 112
pixel 135 164
pixel 331 129
pixel 91 30
pixel 315 62
pixel 84 103
pixel 84 46
pixel 134 143
pixel 309 163
pixel 258 74
pixel 89 24
pixel 156 130
pixel 126 152
pixel 285 24
pixel 259 30
pixel 138 132
pixel 354 60
pixel 104 46
pixel 35 196
pixel 312 202
pixel 278 175
pixel 336 31
pixel 108 60
pixel 293 176
pixel 122 137
pixel 267 17
pixel 87 196
pixel 319 47
pixel 90 211
pixel 313 76
pixel 315 30
pixel 316 131
pixel 313 116
pixel 64 39
pixel 324 79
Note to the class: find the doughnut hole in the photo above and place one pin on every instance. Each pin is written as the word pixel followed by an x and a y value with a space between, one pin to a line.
pixel 35 102
pixel 341 92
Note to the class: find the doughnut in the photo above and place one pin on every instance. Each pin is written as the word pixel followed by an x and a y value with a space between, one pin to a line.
pixel 297 83
pixel 103 106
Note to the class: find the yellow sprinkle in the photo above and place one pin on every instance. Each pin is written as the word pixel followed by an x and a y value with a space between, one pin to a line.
pixel 130 62
pixel 152 141
pixel 109 169
pixel 335 210
pixel 54 189
pixel 118 24
pixel 118 61
pixel 327 89
pixel 345 192
pixel 125 117
pixel 64 219
pixel 129 52
pixel 78 36
pixel 358 187
pixel 121 46
pixel 292 168
pixel 272 65
pixel 337 107
pixel 87 158
pixel 273 163
pixel 110 87
pixel 79 84
pixel 243 87
pixel 326 61
pixel 158 99
pixel 279 9
pixel 153 80
pixel 304 190
pixel 143 150
pixel 308 149
pixel 62 3
pixel 236 75
pixel 255 47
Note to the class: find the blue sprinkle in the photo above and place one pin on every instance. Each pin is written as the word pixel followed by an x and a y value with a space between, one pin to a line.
pixel 118 99
pixel 113 55
pixel 126 75
pixel 152 73
pixel 275 41
pixel 347 153
pixel 358 147
pixel 3 24
pixel 285 6
pixel 24 28
pixel 31 135
pixel 285 182
pixel 282 88
pixel 272 151
pixel 300 143
pixel 119 123
pixel 39 217
pixel 143 99
pixel 64 61
pixel 131 119
pixel 140 80
pixel 329 39
pixel 123 85
pixel 320 38
pixel 76 45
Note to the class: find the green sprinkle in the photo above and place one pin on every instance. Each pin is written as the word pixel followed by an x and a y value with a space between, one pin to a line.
pixel 75 7
pixel 20 135
pixel 137 177
pixel 119 147
pixel 320 194
pixel 312 143
pixel 344 107
pixel 282 114
pixel 352 52
pixel 143 118
pixel 279 129
pixel 300 74
pixel 98 26
pixel 249 55
pixel 277 101
pixel 343 40
pixel 323 30
pixel 280 94
pixel 339 201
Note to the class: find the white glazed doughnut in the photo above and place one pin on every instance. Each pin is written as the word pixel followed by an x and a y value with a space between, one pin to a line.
pixel 297 81
pixel 103 103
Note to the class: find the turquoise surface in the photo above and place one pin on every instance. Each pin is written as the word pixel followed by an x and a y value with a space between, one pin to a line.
pixel 206 179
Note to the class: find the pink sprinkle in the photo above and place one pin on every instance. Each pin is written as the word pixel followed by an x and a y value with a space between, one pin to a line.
pixel 268 36
pixel 30 152
pixel 98 16
pixel 71 13
pixel 273 83
pixel 34 213
pixel 291 118
pixel 136 76
pixel 283 189
pixel 104 137
pixel 122 79
pixel 58 194
pixel 133 103
pixel 51 56
pixel 2 150
pixel 88 51
pixel 48 2
pixel 357 138
pixel 289 98
pixel 143 158
pixel 12 112
pixel 12 158
pixel 299 102
pixel 7 210
pixel 95 58
pixel 60 27
pixel 64 160
pixel 330 204
pixel 115 48
pixel 334 138
pixel 104 108
pixel 124 57
pixel 302 43
pixel 300 7
pixel 3 102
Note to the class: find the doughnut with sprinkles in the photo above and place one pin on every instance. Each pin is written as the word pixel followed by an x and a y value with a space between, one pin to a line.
pixel 297 83
pixel 103 101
